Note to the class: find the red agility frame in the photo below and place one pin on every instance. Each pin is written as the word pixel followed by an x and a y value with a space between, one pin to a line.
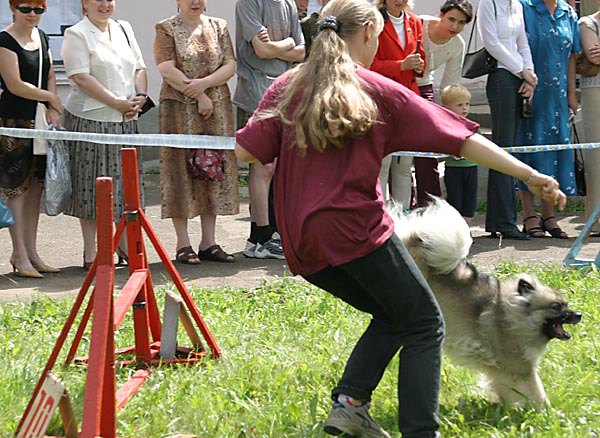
pixel 101 397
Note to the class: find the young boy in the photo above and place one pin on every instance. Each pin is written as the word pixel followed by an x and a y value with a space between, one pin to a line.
pixel 461 174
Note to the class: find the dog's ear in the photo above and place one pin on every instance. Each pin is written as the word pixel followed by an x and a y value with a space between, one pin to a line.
pixel 525 287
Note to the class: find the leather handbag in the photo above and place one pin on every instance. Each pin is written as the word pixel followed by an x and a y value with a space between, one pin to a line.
pixel 585 67
pixel 479 62
pixel 148 105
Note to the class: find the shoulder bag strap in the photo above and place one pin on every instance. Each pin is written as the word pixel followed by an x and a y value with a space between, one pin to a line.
pixel 125 33
pixel 474 26
pixel 41 59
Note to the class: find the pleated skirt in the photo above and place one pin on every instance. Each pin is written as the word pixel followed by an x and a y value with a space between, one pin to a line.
pixel 91 160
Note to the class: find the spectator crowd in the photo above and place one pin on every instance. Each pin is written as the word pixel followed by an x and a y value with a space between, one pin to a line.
pixel 535 43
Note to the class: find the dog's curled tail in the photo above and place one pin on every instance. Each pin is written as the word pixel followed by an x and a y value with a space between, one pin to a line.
pixel 438 230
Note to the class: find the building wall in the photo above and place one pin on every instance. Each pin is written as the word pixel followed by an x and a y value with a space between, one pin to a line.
pixel 143 19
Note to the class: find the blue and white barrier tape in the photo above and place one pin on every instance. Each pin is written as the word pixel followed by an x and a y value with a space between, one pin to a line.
pixel 223 143
pixel 167 140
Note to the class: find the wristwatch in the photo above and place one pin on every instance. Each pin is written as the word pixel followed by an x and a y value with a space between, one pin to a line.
pixel 142 95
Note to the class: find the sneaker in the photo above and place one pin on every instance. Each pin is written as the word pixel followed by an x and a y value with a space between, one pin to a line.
pixel 250 249
pixel 271 249
pixel 353 421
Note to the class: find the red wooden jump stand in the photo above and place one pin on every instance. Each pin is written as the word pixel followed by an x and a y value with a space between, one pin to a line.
pixel 101 398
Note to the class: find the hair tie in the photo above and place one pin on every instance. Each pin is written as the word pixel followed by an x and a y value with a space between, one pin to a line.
pixel 330 22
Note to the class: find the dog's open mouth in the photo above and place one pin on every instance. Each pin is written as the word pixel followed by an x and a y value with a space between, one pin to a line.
pixel 553 327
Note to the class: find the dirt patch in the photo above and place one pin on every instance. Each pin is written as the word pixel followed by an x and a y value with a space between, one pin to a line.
pixel 60 244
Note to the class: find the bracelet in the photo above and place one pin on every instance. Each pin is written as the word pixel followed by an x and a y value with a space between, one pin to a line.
pixel 142 95
pixel 529 180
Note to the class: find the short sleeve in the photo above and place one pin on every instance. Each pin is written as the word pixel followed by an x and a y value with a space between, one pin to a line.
pixel 164 45
pixel 420 125
pixel 226 45
pixel 248 18
pixel 589 23
pixel 262 137
pixel 75 54
pixel 139 60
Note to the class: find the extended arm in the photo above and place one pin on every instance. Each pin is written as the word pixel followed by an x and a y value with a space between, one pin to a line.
pixel 479 149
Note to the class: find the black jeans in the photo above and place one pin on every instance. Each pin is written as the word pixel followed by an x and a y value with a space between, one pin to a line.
pixel 503 96
pixel 388 284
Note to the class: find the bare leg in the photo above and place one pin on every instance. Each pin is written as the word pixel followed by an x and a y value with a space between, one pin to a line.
pixel 33 197
pixel 531 220
pixel 181 231
pixel 19 257
pixel 258 189
pixel 208 223
pixel 88 230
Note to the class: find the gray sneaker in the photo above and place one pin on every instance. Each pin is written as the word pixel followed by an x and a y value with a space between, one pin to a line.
pixel 250 249
pixel 353 421
pixel 271 249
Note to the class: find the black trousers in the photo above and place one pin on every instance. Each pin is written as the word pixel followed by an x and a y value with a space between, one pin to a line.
pixel 503 96
pixel 388 284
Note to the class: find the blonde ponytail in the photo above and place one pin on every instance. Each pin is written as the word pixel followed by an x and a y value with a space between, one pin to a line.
pixel 329 98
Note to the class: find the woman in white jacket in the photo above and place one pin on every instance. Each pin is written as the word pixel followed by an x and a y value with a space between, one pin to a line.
pixel 108 78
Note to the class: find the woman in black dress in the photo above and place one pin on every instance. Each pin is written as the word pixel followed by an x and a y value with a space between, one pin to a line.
pixel 21 172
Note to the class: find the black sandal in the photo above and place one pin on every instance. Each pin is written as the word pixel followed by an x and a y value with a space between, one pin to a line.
pixel 215 254
pixel 555 232
pixel 537 232
pixel 187 256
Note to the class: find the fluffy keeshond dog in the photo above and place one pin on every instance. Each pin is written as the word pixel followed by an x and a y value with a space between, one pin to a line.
pixel 499 328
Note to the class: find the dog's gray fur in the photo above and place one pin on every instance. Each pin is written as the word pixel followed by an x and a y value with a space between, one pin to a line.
pixel 497 327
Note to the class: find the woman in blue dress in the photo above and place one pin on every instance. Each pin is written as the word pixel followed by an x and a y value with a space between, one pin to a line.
pixel 553 35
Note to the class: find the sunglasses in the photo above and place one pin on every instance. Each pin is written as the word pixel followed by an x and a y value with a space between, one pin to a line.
pixel 38 10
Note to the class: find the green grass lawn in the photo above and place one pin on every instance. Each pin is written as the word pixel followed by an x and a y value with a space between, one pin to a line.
pixel 285 345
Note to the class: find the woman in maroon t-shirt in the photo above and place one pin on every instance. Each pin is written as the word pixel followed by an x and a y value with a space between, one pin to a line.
pixel 330 122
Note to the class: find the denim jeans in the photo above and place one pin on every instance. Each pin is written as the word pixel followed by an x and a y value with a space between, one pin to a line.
pixel 388 284
pixel 503 96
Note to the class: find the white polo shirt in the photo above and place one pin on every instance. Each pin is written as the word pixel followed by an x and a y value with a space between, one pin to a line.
pixel 109 58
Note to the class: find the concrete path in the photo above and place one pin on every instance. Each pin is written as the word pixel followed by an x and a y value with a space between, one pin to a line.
pixel 60 244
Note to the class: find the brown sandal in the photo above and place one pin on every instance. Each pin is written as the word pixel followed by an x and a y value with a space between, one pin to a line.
pixel 215 254
pixel 187 256
pixel 537 231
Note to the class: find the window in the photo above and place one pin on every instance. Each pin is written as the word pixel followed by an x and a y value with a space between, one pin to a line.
pixel 60 15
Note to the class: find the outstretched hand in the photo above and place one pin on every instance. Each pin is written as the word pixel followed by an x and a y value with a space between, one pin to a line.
pixel 546 188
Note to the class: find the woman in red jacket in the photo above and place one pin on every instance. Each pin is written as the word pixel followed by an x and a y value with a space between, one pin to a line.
pixel 400 57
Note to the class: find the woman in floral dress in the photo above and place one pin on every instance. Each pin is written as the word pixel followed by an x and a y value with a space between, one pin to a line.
pixel 195 57
pixel 553 36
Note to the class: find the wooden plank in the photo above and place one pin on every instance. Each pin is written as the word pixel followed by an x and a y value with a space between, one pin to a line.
pixel 68 416
pixel 190 329
pixel 128 294
pixel 131 387
pixel 168 337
